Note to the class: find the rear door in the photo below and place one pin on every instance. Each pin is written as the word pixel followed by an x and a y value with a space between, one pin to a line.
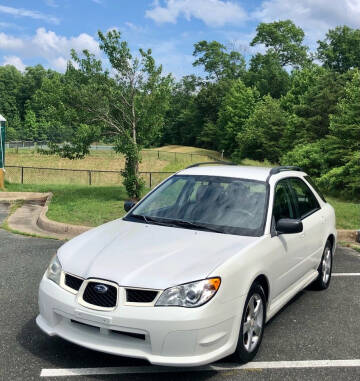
pixel 309 212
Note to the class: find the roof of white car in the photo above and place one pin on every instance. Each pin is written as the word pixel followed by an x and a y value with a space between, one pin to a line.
pixel 238 171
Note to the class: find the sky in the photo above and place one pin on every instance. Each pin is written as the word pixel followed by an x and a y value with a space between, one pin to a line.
pixel 43 31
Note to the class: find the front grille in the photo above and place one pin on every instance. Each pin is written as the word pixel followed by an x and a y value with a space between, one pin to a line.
pixel 106 299
pixel 140 296
pixel 73 282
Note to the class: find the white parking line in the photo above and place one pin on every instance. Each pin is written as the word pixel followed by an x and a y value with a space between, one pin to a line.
pixel 217 367
pixel 345 274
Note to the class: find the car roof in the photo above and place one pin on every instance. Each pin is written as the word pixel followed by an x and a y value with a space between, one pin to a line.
pixel 237 171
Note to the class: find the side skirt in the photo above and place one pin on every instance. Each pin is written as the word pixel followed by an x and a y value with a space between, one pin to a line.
pixel 287 295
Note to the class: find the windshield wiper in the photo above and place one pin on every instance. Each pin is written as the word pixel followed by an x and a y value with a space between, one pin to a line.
pixel 149 219
pixel 187 224
pixel 174 223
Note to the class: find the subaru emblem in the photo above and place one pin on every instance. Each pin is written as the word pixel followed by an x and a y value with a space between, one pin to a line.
pixel 100 288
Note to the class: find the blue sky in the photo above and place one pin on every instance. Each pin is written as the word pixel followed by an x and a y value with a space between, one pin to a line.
pixel 44 31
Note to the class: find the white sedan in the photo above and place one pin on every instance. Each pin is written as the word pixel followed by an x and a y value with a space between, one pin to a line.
pixel 195 269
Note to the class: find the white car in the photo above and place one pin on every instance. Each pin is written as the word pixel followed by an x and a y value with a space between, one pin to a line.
pixel 193 272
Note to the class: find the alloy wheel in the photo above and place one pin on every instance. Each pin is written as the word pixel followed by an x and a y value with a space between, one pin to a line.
pixel 253 322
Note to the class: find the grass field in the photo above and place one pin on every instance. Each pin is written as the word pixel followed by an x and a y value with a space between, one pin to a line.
pixel 80 205
pixel 156 160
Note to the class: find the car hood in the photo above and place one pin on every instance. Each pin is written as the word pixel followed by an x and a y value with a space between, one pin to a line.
pixel 151 256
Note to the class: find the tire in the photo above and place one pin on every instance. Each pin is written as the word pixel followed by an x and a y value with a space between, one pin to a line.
pixel 322 282
pixel 252 325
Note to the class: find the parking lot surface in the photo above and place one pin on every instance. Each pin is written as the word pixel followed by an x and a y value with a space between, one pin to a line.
pixel 307 340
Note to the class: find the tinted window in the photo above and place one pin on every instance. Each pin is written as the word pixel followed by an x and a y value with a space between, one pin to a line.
pixel 283 207
pixel 306 202
pixel 312 183
pixel 232 205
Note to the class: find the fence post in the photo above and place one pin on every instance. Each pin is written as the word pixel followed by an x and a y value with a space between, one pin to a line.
pixel 89 172
pixel 158 154
pixel 150 180
pixel 22 175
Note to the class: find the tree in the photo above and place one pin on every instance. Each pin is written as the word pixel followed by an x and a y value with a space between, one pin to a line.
pixel 30 125
pixel 340 50
pixel 236 108
pixel 261 137
pixel 283 39
pixel 10 82
pixel 267 75
pixel 310 121
pixel 345 122
pixel 130 103
pixel 217 61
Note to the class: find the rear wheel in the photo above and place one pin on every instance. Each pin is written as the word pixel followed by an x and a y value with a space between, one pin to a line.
pixel 252 324
pixel 322 282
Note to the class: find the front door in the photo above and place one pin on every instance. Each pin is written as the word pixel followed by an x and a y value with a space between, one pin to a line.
pixel 290 248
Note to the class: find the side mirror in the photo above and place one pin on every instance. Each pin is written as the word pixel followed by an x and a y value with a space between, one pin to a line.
pixel 289 226
pixel 128 205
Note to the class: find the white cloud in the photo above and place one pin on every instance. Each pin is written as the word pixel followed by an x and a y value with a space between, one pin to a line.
pixel 15 61
pixel 21 12
pixel 211 12
pixel 10 42
pixel 47 45
pixel 316 17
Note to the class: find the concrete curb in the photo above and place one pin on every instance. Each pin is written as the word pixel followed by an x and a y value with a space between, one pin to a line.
pixel 48 227
pixel 58 227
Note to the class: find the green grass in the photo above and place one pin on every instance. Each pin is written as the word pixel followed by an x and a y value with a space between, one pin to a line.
pixel 80 205
pixel 347 213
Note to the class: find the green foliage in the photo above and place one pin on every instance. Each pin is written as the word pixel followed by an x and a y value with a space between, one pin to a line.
pixel 80 145
pixel 267 75
pixel 217 61
pixel 261 138
pixel 344 180
pixel 283 39
pixel 236 108
pixel 310 157
pixel 340 50
pixel 345 122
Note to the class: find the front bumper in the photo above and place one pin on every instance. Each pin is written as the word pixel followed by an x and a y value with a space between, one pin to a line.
pixel 172 336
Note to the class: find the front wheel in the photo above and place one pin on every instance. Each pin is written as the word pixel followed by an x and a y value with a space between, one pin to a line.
pixel 252 324
pixel 322 282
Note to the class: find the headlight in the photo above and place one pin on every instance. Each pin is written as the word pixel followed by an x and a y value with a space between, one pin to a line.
pixel 192 294
pixel 54 270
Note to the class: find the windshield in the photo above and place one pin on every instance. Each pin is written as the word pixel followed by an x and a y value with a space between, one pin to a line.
pixel 222 204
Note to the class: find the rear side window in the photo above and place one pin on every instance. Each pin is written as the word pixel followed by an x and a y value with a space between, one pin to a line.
pixel 305 200
pixel 312 183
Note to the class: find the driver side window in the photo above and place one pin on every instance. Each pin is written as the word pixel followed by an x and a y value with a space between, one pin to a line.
pixel 283 207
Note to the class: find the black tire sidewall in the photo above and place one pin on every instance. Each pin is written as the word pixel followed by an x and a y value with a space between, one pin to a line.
pixel 320 279
pixel 242 354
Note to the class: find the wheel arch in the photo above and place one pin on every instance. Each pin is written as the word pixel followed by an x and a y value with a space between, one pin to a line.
pixel 331 239
pixel 264 283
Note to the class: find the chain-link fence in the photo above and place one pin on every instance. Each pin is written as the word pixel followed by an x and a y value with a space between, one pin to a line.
pixel 35 175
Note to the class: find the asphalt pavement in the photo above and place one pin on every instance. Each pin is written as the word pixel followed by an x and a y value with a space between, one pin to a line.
pixel 314 326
